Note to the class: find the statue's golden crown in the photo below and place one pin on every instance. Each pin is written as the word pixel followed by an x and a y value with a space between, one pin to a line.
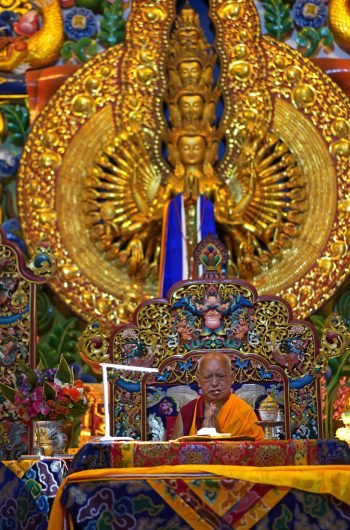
pixel 205 57
pixel 208 94
pixel 188 19
pixel 210 133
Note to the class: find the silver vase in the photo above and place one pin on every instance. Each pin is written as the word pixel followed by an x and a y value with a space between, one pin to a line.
pixel 51 438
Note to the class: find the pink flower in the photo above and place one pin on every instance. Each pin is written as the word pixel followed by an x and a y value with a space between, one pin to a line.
pixel 41 407
pixel 38 393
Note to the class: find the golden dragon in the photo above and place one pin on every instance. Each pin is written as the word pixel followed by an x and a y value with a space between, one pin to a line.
pixel 40 49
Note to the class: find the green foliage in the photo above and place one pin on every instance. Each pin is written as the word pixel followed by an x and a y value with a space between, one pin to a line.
pixel 112 24
pixel 95 5
pixel 310 39
pixel 45 310
pixel 16 123
pixel 8 392
pixel 31 375
pixel 342 306
pixel 83 50
pixel 64 373
pixel 278 21
pixel 62 340
pixel 49 391
pixel 318 322
pixel 339 367
pixel 327 37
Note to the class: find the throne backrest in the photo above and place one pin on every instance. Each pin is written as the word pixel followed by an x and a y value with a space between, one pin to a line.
pixel 221 315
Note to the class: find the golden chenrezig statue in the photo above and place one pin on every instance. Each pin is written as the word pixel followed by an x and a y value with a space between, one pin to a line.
pixel 166 137
pixel 146 222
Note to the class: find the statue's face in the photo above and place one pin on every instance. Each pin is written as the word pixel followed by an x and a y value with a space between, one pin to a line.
pixel 190 72
pixel 192 149
pixel 212 318
pixel 188 38
pixel 191 107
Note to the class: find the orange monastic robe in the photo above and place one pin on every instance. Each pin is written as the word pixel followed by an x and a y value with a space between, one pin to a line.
pixel 235 417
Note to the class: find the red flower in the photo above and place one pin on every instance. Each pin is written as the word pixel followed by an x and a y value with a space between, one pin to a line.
pixel 73 394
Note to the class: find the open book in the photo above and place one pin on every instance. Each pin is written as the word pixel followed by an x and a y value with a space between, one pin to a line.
pixel 223 436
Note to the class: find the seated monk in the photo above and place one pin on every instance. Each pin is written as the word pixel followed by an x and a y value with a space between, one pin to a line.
pixel 217 408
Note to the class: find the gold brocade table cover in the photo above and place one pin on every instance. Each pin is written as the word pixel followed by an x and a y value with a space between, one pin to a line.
pixel 118 454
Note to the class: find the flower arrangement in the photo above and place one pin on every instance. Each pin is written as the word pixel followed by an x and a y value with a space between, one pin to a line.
pixel 47 394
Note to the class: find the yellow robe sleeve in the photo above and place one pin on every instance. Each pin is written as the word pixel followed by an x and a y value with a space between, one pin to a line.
pixel 239 419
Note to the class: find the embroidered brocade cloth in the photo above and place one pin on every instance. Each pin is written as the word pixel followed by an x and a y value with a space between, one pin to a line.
pixel 27 490
pixel 205 497
pixel 95 455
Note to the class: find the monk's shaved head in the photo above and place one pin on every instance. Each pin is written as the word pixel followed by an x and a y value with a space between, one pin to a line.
pixel 222 358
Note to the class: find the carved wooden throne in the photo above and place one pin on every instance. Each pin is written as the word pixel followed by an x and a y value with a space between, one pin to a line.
pixel 271 353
